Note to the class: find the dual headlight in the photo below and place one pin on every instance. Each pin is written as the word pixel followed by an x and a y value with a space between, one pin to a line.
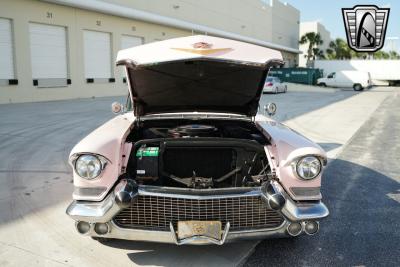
pixel 89 166
pixel 308 167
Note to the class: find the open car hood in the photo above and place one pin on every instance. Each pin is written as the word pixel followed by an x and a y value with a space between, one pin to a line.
pixel 197 73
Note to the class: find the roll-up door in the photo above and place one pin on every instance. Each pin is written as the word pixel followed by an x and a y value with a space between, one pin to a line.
pixel 128 41
pixel 48 55
pixel 6 53
pixel 97 55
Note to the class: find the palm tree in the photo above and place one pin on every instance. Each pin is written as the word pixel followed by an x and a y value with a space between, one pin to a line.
pixel 318 53
pixel 338 49
pixel 330 54
pixel 381 55
pixel 394 55
pixel 313 39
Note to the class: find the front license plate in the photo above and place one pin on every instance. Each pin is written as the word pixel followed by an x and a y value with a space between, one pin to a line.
pixel 199 228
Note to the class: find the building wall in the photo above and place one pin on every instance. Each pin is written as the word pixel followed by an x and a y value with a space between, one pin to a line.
pixel 285 24
pixel 75 21
pixel 268 20
pixel 248 17
pixel 256 22
pixel 317 27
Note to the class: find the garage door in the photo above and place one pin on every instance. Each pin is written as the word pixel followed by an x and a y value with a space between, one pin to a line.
pixel 6 52
pixel 128 41
pixel 97 54
pixel 48 55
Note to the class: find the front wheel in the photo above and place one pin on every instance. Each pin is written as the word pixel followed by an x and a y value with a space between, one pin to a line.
pixel 357 87
pixel 322 84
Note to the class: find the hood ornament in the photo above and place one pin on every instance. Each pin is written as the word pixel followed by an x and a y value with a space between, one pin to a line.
pixel 202 45
pixel 203 48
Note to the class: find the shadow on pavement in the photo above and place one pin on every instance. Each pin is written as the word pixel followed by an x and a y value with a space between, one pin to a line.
pixel 362 229
pixel 173 255
pixel 329 146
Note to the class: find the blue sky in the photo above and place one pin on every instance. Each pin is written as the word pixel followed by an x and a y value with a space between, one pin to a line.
pixel 329 13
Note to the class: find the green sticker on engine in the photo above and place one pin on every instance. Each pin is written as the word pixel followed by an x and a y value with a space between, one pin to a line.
pixel 147 152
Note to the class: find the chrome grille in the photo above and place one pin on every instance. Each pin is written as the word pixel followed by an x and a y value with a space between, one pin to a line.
pixel 156 213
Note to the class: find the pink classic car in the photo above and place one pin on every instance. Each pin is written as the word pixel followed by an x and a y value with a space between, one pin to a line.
pixel 189 161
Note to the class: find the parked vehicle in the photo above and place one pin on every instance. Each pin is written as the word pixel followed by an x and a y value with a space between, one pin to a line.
pixel 358 80
pixel 192 162
pixel 274 85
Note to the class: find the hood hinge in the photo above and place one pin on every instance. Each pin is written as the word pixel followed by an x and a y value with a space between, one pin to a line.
pixel 272 161
pixel 137 119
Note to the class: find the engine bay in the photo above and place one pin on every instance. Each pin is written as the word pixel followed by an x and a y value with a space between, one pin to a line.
pixel 205 154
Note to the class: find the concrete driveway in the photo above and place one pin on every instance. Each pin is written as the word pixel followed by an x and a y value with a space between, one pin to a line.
pixel 36 185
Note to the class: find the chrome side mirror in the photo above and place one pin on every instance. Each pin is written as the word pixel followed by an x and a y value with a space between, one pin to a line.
pixel 117 107
pixel 270 109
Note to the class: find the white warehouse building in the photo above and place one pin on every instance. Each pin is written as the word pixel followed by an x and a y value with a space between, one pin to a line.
pixel 65 49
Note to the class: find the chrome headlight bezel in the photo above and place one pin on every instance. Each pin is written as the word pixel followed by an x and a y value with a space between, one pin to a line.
pixel 297 164
pixel 102 161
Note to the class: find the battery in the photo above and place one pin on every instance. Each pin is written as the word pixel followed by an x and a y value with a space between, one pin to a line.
pixel 147 163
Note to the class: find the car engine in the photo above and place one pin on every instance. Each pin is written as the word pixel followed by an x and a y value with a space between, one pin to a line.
pixel 201 155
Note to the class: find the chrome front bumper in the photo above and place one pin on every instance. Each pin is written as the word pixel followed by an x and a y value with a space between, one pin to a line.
pixel 272 193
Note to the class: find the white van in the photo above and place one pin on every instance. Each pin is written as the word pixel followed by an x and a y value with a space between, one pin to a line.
pixel 358 80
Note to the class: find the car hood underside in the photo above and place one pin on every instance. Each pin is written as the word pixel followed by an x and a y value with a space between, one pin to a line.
pixel 202 85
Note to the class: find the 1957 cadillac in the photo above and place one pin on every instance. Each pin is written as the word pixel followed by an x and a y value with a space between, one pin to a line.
pixel 189 161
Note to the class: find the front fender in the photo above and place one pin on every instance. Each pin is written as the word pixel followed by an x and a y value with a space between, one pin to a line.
pixel 286 147
pixel 108 141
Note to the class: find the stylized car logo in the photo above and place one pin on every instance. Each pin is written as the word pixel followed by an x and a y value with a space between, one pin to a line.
pixel 203 48
pixel 365 27
pixel 202 45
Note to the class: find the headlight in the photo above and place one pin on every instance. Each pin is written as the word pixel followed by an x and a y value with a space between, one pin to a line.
pixel 308 167
pixel 88 166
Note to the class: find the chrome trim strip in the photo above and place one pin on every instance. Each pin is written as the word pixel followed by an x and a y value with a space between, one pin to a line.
pixel 198 194
pixel 197 115
pixel 306 192
pixel 88 191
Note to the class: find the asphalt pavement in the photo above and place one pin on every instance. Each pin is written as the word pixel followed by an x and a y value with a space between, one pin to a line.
pixel 362 190
pixel 36 186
